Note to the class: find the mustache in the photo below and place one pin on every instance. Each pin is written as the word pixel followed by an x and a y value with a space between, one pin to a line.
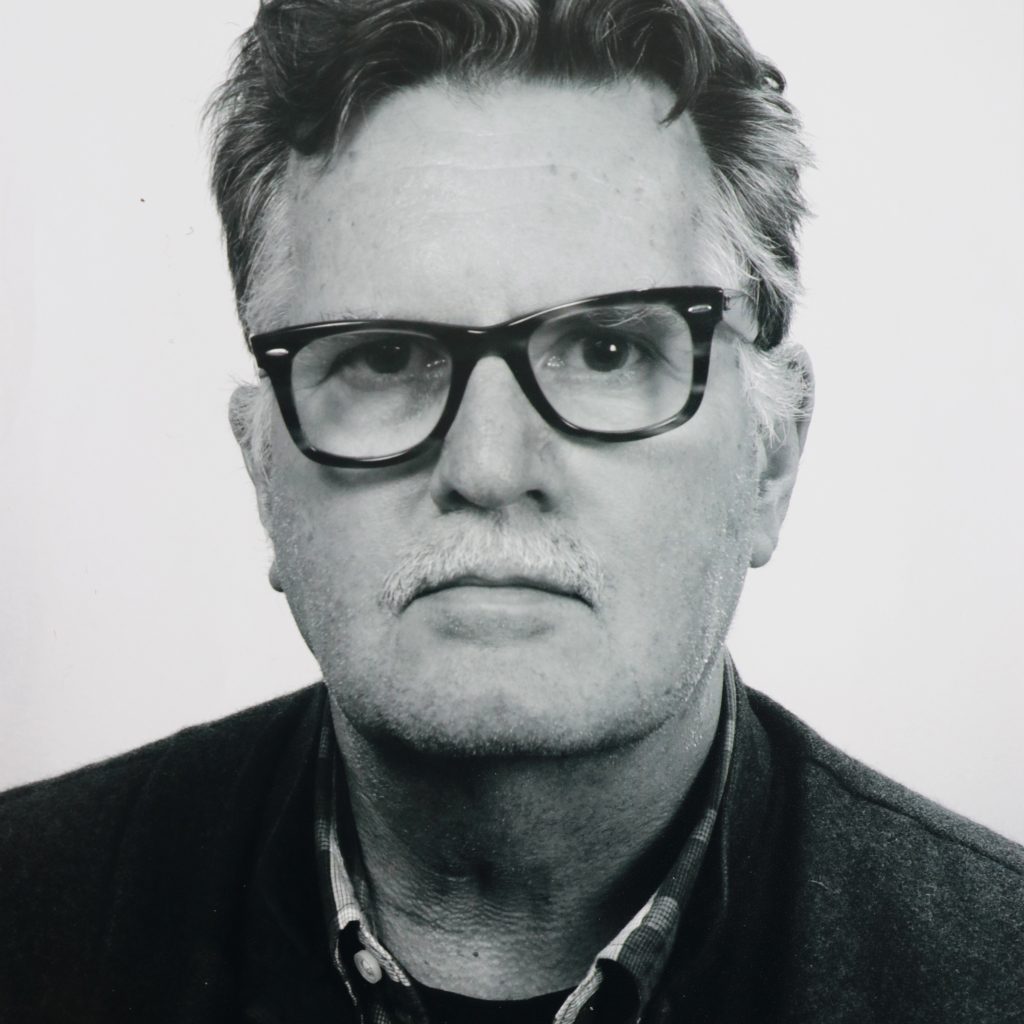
pixel 495 550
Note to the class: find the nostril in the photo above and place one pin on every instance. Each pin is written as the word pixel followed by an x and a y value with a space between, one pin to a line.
pixel 488 468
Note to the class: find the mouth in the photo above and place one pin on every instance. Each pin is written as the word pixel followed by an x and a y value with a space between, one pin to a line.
pixel 508 583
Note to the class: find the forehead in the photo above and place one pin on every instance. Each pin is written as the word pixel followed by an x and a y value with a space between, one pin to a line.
pixel 476 206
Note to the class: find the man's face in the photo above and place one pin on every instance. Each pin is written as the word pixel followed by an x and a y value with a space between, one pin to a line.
pixel 473 209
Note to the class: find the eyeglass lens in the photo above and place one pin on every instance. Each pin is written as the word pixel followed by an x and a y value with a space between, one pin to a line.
pixel 370 392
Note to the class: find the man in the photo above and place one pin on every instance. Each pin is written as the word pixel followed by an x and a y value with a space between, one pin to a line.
pixel 518 278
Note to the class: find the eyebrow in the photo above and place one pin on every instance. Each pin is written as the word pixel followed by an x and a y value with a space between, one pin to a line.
pixel 624 312
pixel 330 315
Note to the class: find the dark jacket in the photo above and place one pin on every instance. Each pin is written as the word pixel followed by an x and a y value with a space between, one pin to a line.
pixel 177 883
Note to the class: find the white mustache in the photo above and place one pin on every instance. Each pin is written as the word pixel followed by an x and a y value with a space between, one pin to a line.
pixel 495 551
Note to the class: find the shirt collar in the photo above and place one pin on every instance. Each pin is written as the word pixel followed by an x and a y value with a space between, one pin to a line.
pixel 635 959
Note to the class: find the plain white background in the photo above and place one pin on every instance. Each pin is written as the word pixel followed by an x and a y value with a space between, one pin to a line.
pixel 134 598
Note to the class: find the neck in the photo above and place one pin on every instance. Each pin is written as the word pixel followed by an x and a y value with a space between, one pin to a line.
pixel 502 878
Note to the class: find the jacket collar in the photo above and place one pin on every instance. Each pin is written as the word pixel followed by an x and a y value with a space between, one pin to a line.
pixel 286 976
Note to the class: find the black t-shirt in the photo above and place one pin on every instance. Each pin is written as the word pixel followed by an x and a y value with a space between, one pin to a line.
pixel 449 1008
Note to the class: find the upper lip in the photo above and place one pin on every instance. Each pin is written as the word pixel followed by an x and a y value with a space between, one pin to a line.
pixel 504 580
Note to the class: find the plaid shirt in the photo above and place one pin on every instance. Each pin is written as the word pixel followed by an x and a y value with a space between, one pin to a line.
pixel 640 949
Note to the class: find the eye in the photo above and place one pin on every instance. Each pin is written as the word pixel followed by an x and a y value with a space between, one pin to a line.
pixel 384 357
pixel 606 354
pixel 597 350
pixel 389 362
pixel 371 359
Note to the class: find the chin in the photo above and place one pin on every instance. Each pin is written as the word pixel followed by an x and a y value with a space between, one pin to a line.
pixel 510 713
pixel 558 692
pixel 498 735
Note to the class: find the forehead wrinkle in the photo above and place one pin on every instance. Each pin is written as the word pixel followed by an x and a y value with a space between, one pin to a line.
pixel 463 128
pixel 567 180
pixel 433 226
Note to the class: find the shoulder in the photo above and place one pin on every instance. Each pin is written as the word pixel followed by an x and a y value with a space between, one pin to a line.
pixel 68 843
pixel 888 885
pixel 88 797
pixel 831 779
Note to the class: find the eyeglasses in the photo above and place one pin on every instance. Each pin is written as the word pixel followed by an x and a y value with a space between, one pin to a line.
pixel 616 367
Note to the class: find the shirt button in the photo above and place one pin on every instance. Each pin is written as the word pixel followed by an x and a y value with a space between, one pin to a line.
pixel 367 966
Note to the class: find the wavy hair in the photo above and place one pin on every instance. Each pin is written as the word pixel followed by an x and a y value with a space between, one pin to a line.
pixel 306 68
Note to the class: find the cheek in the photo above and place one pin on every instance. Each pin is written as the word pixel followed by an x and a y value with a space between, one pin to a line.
pixel 332 540
pixel 309 567
pixel 679 517
pixel 325 516
pixel 680 524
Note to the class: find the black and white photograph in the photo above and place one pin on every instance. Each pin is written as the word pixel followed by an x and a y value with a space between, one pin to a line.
pixel 512 512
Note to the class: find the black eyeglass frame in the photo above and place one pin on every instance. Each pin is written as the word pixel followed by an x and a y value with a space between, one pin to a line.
pixel 701 307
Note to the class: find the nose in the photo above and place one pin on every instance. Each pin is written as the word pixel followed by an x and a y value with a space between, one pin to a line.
pixel 497 451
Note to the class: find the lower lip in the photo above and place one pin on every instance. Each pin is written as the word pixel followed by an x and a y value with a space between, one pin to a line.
pixel 475 612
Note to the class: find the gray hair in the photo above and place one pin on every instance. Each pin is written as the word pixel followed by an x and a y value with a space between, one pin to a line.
pixel 306 68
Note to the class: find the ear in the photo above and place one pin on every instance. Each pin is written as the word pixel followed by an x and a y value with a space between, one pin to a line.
pixel 241 412
pixel 780 463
